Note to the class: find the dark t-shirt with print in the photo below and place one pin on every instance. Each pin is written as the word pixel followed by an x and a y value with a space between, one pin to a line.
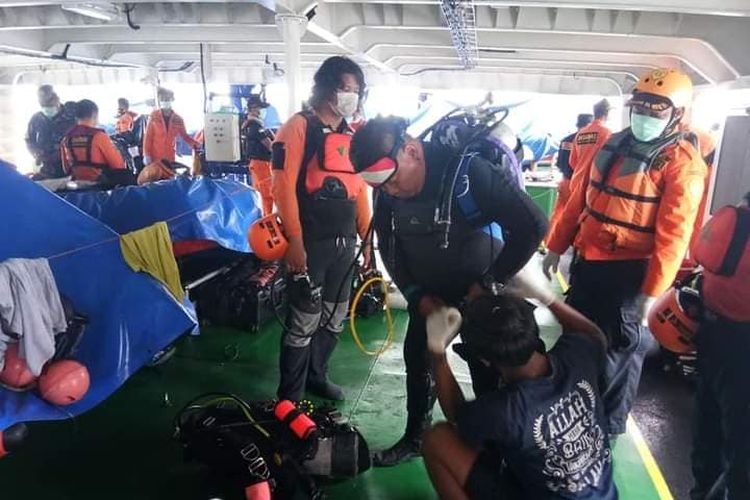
pixel 550 431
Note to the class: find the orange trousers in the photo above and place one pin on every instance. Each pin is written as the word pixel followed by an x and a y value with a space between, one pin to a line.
pixel 263 183
pixel 563 194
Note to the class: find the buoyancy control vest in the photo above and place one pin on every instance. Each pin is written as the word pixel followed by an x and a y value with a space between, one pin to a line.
pixel 327 186
pixel 723 251
pixel 420 233
pixel 625 190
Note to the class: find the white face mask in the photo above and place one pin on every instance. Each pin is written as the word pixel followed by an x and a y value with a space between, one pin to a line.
pixel 166 104
pixel 647 128
pixel 49 111
pixel 346 103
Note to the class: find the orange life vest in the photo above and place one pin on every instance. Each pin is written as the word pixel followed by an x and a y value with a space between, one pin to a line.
pixel 328 184
pixel 624 193
pixel 723 251
pixel 78 142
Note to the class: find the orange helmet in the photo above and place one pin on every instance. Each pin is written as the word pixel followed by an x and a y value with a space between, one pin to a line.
pixel 267 239
pixel 64 382
pixel 668 83
pixel 674 319
pixel 16 374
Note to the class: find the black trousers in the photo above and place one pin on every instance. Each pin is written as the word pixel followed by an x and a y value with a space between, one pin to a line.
pixel 721 434
pixel 329 265
pixel 420 385
pixel 605 292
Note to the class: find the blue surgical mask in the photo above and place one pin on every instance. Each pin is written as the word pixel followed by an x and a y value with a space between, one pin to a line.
pixel 647 128
pixel 49 111
pixel 166 104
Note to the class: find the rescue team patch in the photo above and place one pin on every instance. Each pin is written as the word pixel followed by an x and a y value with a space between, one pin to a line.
pixel 587 138
pixel 566 146
pixel 660 161
pixel 278 155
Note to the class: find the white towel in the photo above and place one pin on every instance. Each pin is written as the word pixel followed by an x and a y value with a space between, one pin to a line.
pixel 30 308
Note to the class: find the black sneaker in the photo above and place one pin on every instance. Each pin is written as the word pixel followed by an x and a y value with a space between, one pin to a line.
pixel 404 450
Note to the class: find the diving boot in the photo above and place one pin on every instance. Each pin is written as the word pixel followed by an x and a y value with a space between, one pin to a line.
pixel 321 347
pixel 293 367
pixel 405 449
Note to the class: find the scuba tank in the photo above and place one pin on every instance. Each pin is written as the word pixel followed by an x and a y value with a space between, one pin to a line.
pixel 469 132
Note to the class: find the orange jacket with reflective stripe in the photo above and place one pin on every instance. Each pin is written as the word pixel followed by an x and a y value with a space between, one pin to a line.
pixel 87 152
pixel 161 139
pixel 635 205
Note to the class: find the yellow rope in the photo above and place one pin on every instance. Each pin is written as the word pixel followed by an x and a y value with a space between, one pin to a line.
pixel 391 333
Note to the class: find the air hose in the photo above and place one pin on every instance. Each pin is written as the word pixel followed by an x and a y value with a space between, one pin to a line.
pixel 391 331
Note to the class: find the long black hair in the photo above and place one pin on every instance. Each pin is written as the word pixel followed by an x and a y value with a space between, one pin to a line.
pixel 328 79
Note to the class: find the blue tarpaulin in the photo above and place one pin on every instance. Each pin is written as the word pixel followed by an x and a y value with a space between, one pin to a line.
pixel 131 315
pixel 194 209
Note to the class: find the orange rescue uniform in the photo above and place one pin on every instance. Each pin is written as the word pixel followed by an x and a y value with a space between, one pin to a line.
pixel 161 136
pixel 125 122
pixel 707 147
pixel 87 152
pixel 586 144
pixel 292 136
pixel 263 182
pixel 624 209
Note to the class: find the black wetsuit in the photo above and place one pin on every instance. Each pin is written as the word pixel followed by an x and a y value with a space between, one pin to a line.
pixel 409 244
pixel 43 138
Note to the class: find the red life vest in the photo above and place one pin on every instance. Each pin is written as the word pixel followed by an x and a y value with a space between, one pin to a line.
pixel 328 185
pixel 723 251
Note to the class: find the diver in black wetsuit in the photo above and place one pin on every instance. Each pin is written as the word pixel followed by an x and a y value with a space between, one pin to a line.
pixel 412 176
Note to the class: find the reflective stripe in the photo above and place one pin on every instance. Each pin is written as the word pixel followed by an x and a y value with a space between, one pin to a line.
pixel 608 220
pixel 624 194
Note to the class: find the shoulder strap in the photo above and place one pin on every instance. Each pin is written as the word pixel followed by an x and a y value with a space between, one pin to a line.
pixel 313 134
pixel 738 243
pixel 464 198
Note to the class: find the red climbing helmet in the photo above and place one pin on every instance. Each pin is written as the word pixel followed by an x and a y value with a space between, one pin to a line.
pixel 267 239
pixel 675 317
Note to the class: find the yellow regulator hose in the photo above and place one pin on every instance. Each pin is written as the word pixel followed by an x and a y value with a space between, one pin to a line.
pixel 391 334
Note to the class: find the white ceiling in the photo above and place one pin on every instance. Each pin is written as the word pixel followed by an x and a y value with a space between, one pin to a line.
pixel 566 46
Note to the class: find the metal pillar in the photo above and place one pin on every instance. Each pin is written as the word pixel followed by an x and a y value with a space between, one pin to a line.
pixel 292 27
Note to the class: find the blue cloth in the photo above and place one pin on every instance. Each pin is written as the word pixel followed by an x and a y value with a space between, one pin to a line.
pixel 551 431
pixel 194 209
pixel 131 316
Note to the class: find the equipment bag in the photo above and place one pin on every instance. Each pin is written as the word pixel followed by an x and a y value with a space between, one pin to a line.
pixel 244 297
pixel 278 443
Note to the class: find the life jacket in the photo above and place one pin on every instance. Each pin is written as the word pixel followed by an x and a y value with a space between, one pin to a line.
pixel 78 142
pixel 723 251
pixel 328 186
pixel 625 201
pixel 475 242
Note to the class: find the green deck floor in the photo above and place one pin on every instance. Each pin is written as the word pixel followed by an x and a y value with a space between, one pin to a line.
pixel 123 448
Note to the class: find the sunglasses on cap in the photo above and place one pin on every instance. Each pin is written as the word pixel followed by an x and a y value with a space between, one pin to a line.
pixel 379 173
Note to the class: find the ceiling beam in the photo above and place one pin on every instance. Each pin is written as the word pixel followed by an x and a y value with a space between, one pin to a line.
pixel 713 7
